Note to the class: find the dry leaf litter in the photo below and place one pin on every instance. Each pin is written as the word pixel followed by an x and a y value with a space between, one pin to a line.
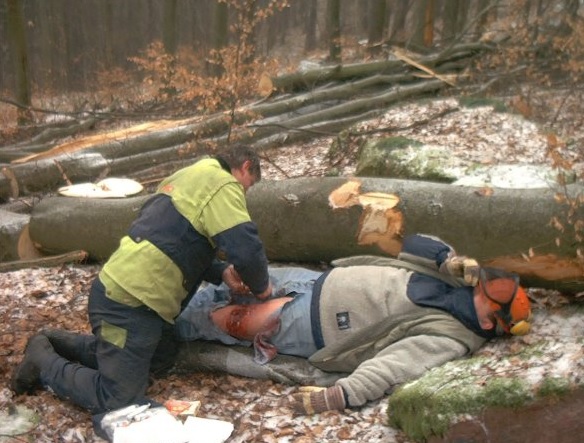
pixel 33 299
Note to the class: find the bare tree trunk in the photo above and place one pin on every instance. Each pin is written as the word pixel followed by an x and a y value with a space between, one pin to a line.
pixel 219 40
pixel 429 24
pixel 310 25
pixel 169 39
pixel 333 14
pixel 399 12
pixel 170 27
pixel 377 18
pixel 419 22
pixel 17 36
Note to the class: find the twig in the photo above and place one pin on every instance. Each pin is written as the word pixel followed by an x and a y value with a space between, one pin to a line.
pixel 74 256
pixel 63 174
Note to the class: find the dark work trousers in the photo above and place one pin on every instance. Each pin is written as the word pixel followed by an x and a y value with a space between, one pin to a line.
pixel 108 376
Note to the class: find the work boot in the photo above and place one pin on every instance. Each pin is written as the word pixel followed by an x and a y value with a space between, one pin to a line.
pixel 26 377
pixel 64 343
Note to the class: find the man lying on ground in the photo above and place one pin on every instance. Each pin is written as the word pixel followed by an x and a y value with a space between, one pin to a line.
pixel 380 324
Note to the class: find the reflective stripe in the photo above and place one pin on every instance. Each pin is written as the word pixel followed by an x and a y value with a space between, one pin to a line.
pixel 113 334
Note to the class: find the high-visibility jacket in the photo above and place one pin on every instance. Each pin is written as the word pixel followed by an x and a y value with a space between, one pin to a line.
pixel 197 213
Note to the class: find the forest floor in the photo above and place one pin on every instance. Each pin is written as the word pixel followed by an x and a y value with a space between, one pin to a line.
pixel 57 297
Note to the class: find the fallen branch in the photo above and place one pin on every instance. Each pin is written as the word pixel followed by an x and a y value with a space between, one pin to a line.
pixel 53 260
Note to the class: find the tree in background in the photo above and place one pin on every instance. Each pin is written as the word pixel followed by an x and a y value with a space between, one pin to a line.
pixel 333 15
pixel 219 38
pixel 169 41
pixel 310 41
pixel 17 42
pixel 454 17
pixel 93 47
pixel 422 35
pixel 377 17
pixel 397 25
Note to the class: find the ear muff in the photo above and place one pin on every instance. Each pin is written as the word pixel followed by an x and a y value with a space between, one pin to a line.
pixel 508 301
pixel 520 328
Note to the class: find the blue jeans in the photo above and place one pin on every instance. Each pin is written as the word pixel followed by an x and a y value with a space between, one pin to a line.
pixel 295 334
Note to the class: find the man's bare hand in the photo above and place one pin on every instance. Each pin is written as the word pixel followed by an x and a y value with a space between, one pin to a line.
pixel 267 292
pixel 234 282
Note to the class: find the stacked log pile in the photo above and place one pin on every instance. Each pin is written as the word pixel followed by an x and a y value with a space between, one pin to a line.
pixel 297 219
pixel 296 107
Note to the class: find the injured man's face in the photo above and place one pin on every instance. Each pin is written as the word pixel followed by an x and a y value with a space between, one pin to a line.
pixel 246 321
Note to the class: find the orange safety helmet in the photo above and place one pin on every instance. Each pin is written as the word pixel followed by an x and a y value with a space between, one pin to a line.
pixel 507 299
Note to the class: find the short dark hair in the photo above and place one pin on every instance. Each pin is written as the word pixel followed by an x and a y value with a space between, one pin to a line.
pixel 235 156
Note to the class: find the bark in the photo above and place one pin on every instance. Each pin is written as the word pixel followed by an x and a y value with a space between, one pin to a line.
pixel 162 143
pixel 320 219
pixel 345 109
pixel 45 140
pixel 130 150
pixel 377 14
pixel 49 174
pixel 98 224
pixel 333 25
pixel 17 40
pixel 310 25
pixel 301 80
pixel 419 23
pixel 169 27
pixel 54 260
pixel 219 38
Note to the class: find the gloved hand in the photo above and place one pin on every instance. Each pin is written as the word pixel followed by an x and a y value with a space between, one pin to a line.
pixel 464 267
pixel 314 399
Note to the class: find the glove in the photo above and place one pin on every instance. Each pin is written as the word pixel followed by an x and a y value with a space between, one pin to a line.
pixel 314 400
pixel 463 267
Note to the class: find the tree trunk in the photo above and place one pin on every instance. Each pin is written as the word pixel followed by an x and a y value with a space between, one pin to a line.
pixel 169 27
pixel 377 17
pixel 49 174
pixel 429 24
pixel 320 219
pixel 306 80
pixel 310 26
pixel 220 37
pixel 333 16
pixel 154 143
pixel 17 37
pixel 397 29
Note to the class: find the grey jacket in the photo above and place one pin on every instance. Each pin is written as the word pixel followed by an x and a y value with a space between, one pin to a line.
pixel 384 339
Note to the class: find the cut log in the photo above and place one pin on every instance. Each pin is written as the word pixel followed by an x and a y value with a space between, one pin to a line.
pixel 146 145
pixel 364 88
pixel 61 223
pixel 47 174
pixel 304 80
pixel 352 107
pixel 320 219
